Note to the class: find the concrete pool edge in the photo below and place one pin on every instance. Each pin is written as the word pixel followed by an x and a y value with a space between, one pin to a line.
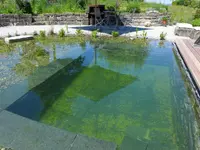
pixel 20 133
pixel 195 98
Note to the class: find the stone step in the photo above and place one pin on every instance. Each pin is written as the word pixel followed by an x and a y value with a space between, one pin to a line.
pixel 18 38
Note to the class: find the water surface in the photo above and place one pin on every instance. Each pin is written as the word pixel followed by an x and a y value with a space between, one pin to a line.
pixel 130 94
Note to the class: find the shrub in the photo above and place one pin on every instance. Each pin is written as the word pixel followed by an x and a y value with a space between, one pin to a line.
pixel 94 33
pixel 197 14
pixel 61 33
pixel 115 33
pixel 79 32
pixel 42 34
pixel 162 36
pixel 134 6
pixel 196 22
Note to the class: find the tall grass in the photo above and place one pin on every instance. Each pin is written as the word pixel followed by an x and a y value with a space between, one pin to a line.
pixel 181 14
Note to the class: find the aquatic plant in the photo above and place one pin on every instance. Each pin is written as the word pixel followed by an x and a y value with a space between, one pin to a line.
pixel 61 33
pixel 115 33
pixel 144 35
pixel 79 32
pixel 94 33
pixel 162 36
pixel 42 34
pixel 136 32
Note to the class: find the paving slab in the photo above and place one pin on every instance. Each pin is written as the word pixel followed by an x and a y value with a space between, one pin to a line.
pixel 21 133
pixel 18 38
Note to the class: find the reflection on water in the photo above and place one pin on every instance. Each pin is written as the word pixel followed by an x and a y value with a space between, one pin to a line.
pixel 129 94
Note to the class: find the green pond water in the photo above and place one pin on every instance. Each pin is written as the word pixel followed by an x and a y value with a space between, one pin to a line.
pixel 132 94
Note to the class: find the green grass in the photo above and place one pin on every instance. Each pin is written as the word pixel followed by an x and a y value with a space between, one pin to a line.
pixel 181 14
pixel 40 7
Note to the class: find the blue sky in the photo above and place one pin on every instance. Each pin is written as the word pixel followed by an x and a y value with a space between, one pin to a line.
pixel 160 1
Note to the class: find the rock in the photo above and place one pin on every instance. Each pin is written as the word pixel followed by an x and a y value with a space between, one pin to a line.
pixel 147 24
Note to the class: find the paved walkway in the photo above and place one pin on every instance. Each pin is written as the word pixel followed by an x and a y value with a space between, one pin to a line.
pixel 152 32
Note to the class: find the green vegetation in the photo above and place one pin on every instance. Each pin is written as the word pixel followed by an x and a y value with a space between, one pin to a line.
pixel 144 34
pixel 94 33
pixel 163 35
pixel 61 33
pixel 196 22
pixel 42 34
pixel 115 33
pixel 79 32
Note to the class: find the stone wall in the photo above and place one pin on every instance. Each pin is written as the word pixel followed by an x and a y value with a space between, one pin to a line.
pixel 60 19
pixel 76 19
pixel 142 18
pixel 14 19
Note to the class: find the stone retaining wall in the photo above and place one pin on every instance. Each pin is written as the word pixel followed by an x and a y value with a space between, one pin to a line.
pixel 75 19
pixel 14 19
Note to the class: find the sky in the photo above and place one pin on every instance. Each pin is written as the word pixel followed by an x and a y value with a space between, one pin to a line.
pixel 160 1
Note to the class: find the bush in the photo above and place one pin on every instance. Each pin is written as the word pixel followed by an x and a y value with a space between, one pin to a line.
pixel 42 34
pixel 134 6
pixel 115 33
pixel 197 14
pixel 162 36
pixel 61 33
pixel 94 33
pixel 196 22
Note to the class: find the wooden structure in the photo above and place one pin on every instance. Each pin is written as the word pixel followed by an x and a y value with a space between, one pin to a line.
pixel 191 56
pixel 91 13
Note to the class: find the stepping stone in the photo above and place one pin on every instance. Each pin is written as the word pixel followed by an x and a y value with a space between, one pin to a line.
pixel 18 38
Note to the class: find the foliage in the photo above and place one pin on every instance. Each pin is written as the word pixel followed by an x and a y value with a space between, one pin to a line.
pixel 61 33
pixel 136 31
pixel 115 33
pixel 43 6
pixel 144 35
pixel 79 32
pixel 164 18
pixel 181 14
pixel 189 3
pixel 197 14
pixel 134 7
pixel 163 35
pixel 42 34
pixel 94 33
pixel 24 6
pixel 196 22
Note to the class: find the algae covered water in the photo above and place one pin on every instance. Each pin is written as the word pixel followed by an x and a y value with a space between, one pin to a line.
pixel 131 94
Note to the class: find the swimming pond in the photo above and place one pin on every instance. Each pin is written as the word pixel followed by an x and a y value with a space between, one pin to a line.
pixel 132 94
